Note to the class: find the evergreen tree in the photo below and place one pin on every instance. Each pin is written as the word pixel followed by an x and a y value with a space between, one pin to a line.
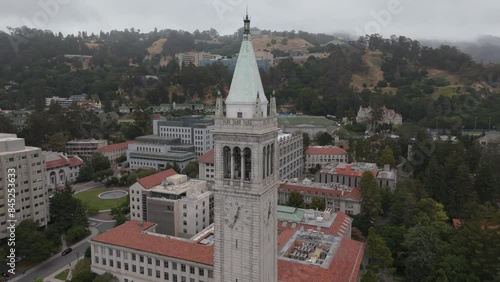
pixel 423 249
pixel 370 192
pixel 486 180
pixel 318 203
pixel 379 255
pixel 387 157
pixel 295 199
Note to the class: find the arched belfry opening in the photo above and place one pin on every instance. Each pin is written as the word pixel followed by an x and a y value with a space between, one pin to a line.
pixel 226 161
pixel 237 162
pixel 247 155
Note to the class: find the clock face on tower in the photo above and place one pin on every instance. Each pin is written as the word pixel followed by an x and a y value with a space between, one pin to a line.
pixel 236 216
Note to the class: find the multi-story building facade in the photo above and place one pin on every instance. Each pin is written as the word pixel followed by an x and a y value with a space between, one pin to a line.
pixel 156 152
pixel 323 155
pixel 22 168
pixel 350 174
pixel 114 151
pixel 195 130
pixel 290 155
pixel 84 148
pixel 185 59
pixel 179 207
pixel 61 169
pixel 337 197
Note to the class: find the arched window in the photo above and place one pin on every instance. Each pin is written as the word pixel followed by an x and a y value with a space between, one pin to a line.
pixel 61 175
pixel 272 159
pixel 264 162
pixel 237 162
pixel 247 155
pixel 53 177
pixel 226 162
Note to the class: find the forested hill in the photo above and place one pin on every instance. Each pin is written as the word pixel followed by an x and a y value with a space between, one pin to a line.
pixel 421 83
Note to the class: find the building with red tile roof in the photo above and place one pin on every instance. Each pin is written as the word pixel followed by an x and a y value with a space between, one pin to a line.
pixel 61 168
pixel 350 174
pixel 338 197
pixel 323 155
pixel 143 255
pixel 155 179
pixel 114 151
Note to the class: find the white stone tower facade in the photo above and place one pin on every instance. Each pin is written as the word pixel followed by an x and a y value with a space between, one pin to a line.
pixel 246 177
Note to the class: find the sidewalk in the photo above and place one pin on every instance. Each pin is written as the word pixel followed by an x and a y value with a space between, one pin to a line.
pixel 94 232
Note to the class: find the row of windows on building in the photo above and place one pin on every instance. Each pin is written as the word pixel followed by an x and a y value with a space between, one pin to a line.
pixel 180 268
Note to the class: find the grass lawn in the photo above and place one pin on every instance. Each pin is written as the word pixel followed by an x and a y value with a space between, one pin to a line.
pixel 91 197
pixel 63 275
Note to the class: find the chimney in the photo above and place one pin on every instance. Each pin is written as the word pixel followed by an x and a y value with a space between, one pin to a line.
pixel 387 167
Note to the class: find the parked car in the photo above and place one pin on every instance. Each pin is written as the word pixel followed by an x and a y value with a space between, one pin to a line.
pixel 67 251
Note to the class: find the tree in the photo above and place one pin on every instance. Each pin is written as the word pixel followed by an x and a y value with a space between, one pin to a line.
pixel 324 139
pixel 58 141
pixel 370 192
pixel 6 125
pixel 191 169
pixel 100 162
pixel 318 204
pixel 486 180
pixel 295 199
pixel 131 131
pixel 29 238
pixel 423 249
pixel 142 115
pixel 405 202
pixel 429 211
pixel 369 276
pixel 387 157
pixel 106 277
pixel 379 255
pixel 75 233
pixel 86 173
pixel 477 240
pixel 67 211
pixel 452 268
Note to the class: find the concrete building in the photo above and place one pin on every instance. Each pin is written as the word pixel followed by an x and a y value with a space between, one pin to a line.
pixel 323 155
pixel 61 169
pixel 195 58
pixel 290 156
pixel 21 168
pixel 350 174
pixel 84 148
pixel 195 130
pixel 179 207
pixel 388 116
pixel 157 152
pixel 114 151
pixel 65 102
pixel 337 197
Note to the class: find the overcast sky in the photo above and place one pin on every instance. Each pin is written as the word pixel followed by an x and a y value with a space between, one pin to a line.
pixel 419 19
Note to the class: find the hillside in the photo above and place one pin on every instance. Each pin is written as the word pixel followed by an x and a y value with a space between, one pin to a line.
pixel 261 42
pixel 157 48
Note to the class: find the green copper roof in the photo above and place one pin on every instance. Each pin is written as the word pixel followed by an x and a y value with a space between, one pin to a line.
pixel 289 214
pixel 246 79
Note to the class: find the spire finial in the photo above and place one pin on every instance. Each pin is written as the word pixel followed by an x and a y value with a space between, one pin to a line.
pixel 246 26
pixel 218 93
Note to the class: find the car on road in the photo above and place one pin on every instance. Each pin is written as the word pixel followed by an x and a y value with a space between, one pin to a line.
pixel 67 251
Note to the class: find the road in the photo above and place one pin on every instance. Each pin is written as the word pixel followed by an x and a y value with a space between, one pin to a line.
pixel 57 262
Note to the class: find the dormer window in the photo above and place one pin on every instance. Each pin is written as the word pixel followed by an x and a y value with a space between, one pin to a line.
pixel 240 115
